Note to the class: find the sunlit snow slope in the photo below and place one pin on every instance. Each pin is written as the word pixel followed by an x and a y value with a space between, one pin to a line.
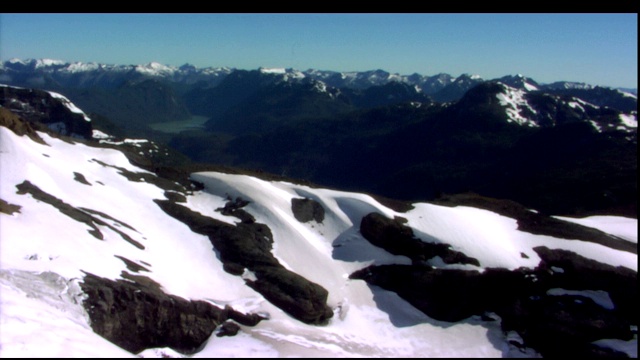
pixel 110 215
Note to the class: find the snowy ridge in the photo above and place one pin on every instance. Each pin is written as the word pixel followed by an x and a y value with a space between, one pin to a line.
pixel 286 74
pixel 155 69
pixel 628 93
pixel 71 106
pixel 352 79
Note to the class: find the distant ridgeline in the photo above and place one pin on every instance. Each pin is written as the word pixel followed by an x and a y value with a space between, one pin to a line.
pixel 562 147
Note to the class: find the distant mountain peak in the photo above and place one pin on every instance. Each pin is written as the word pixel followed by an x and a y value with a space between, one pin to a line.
pixel 49 62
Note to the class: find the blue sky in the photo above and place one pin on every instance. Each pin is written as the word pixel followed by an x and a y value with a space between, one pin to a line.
pixel 599 49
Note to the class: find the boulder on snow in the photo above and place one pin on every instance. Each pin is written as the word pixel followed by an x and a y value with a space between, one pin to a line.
pixel 297 296
pixel 228 328
pixel 307 209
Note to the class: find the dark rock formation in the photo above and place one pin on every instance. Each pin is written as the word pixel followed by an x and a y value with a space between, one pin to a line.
pixel 306 210
pixel 581 273
pixel 19 126
pixel 138 315
pixel 175 197
pixel 39 106
pixel 398 239
pixel 131 265
pixel 554 325
pixel 80 178
pixel 234 208
pixel 228 328
pixel 297 296
pixel 449 295
pixel 248 245
pixel 8 208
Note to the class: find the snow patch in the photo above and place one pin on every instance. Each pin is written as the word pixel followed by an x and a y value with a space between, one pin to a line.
pixel 513 100
pixel 596 126
pixel 155 69
pixel 629 120
pixel 320 86
pixel 273 70
pixel 97 134
pixel 622 227
pixel 81 67
pixel 629 347
pixel 598 296
pixel 134 142
pixel 575 105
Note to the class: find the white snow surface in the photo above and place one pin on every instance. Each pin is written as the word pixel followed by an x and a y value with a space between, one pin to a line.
pixel 622 227
pixel 43 253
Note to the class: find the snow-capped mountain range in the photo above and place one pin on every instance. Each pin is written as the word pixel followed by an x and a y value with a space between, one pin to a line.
pixel 100 255
pixel 212 75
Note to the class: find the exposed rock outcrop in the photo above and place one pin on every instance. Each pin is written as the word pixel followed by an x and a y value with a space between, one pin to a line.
pixel 306 210
pixel 38 106
pixel 553 311
pixel 138 315
pixel 19 126
pixel 8 208
pixel 398 239
pixel 248 245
